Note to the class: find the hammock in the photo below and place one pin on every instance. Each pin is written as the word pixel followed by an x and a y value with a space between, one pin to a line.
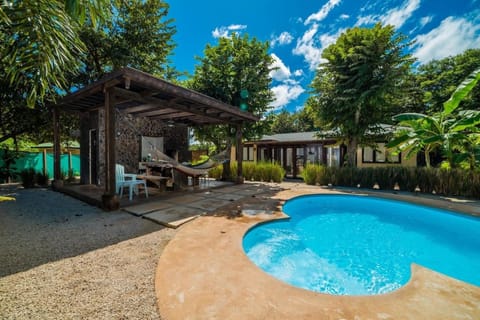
pixel 189 171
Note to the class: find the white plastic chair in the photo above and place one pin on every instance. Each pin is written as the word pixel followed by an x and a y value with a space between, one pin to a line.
pixel 128 180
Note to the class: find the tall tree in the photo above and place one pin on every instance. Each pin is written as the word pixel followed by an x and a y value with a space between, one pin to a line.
pixel 281 122
pixel 438 79
pixel 361 82
pixel 140 36
pixel 235 65
pixel 285 122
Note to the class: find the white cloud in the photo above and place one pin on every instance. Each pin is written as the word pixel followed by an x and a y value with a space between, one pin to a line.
pixel 289 89
pixel 453 36
pixel 298 73
pixel 311 46
pixel 398 16
pixel 224 32
pixel 323 12
pixel 281 72
pixel 299 108
pixel 221 32
pixel 285 93
pixel 370 19
pixel 307 48
pixel 425 20
pixel 344 16
pixel 283 39
pixel 327 39
pixel 234 27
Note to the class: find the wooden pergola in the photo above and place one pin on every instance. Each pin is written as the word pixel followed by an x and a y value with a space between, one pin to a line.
pixel 143 95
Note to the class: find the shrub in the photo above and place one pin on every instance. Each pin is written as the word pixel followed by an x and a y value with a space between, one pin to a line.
pixel 41 179
pixel 260 171
pixel 70 175
pixel 277 172
pixel 28 178
pixel 8 170
pixel 313 173
pixel 443 181
pixel 216 172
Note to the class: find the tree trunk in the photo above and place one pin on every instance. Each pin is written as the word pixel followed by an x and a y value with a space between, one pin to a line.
pixel 352 152
pixel 427 158
pixel 353 141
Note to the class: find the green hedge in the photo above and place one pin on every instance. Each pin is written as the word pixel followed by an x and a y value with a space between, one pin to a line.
pixel 260 171
pixel 456 182
pixel 30 178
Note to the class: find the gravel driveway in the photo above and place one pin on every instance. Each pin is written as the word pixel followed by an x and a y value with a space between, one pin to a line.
pixel 63 259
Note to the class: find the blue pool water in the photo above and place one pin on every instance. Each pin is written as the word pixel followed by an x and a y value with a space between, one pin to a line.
pixel 359 245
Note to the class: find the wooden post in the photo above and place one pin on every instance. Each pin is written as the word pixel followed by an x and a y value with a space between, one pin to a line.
pixel 57 181
pixel 109 199
pixel 294 161
pixel 239 150
pixel 44 162
pixel 70 164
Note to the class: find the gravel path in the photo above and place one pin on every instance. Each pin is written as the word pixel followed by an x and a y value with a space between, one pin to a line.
pixel 63 259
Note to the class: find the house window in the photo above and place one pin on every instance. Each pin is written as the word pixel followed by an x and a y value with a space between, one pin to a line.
pixel 368 154
pixel 333 156
pixel 248 153
pixel 379 155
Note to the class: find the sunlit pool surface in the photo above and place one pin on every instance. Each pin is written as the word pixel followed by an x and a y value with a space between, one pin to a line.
pixel 359 245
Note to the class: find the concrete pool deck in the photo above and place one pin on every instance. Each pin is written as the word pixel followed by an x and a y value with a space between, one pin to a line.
pixel 204 273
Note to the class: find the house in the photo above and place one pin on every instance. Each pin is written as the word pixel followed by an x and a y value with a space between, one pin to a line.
pixel 295 150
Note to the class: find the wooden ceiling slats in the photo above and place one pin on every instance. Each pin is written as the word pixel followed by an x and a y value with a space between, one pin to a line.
pixel 141 94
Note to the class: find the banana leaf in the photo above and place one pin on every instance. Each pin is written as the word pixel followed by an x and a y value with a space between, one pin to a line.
pixel 461 92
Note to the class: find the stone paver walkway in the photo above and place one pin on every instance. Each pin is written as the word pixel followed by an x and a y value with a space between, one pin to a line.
pixel 175 211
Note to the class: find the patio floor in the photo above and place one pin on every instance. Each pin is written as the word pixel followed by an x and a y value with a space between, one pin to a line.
pixel 204 273
pixel 92 194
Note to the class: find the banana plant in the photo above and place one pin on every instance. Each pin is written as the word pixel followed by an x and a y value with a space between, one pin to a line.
pixel 455 133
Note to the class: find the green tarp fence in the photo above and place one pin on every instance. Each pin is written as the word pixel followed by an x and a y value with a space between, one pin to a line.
pixel 35 160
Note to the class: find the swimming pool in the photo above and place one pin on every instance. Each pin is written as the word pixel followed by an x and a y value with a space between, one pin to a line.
pixel 362 245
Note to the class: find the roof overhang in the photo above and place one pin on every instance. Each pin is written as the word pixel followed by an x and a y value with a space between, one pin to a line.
pixel 144 95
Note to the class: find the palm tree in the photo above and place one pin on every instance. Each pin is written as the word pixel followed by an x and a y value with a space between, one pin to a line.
pixel 39 42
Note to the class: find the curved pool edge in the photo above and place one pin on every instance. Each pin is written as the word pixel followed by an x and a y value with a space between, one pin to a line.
pixel 204 274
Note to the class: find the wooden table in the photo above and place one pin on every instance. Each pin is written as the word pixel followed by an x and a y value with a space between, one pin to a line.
pixel 161 180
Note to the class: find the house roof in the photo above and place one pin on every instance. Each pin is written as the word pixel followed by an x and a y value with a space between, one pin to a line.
pixel 48 145
pixel 317 136
pixel 291 137
pixel 144 95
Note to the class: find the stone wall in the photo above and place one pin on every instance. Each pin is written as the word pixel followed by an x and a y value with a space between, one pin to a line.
pixel 129 130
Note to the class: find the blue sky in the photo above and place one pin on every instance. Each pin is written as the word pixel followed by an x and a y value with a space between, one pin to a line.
pixel 299 30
